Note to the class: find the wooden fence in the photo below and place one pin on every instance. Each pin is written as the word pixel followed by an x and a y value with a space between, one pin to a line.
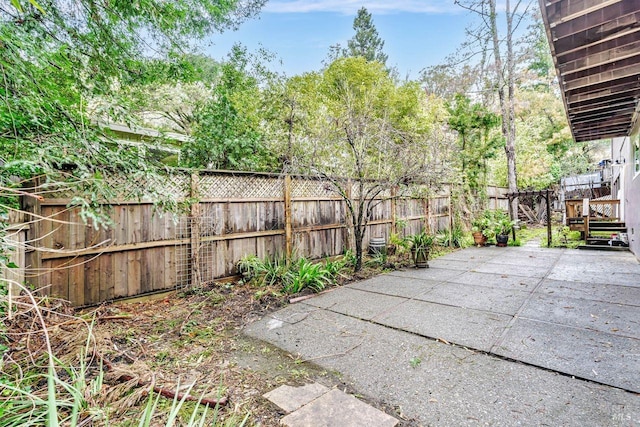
pixel 236 214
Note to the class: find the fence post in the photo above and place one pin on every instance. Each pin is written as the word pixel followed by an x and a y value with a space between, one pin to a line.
pixel 288 224
pixel 427 213
pixel 549 237
pixel 194 231
pixel 15 237
pixel 33 257
pixel 394 218
pixel 450 220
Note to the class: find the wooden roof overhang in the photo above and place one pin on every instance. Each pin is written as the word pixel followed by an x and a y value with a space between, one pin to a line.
pixel 596 50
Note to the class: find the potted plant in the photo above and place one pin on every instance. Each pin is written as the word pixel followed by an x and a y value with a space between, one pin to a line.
pixel 481 228
pixel 421 243
pixel 502 226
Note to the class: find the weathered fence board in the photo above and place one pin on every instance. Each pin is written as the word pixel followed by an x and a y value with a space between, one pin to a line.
pixel 238 214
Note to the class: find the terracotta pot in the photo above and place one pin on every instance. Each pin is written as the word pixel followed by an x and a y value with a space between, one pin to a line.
pixel 479 239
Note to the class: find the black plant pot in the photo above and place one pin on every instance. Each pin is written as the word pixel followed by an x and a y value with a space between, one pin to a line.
pixel 502 239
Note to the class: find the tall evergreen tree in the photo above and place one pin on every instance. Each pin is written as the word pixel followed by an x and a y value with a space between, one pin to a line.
pixel 366 42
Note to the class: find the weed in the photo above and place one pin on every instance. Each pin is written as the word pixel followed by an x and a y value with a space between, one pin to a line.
pixel 265 272
pixel 349 258
pixel 379 259
pixel 415 362
pixel 454 237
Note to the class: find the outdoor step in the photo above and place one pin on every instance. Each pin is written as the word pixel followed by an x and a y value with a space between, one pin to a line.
pixel 598 239
pixel 600 228
pixel 604 248
pixel 607 224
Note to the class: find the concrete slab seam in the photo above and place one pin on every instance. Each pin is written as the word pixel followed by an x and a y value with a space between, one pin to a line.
pixel 526 301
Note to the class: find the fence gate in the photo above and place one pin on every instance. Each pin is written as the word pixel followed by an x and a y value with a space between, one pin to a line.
pixel 195 251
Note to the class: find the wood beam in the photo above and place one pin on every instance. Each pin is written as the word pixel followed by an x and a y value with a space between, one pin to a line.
pixel 627 86
pixel 596 135
pixel 630 71
pixel 628 52
pixel 561 12
pixel 601 20
pixel 613 29
pixel 614 101
pixel 610 117
pixel 598 47
pixel 602 121
pixel 615 64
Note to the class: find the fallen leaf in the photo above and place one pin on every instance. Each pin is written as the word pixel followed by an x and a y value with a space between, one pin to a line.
pixel 433 400
pixel 442 340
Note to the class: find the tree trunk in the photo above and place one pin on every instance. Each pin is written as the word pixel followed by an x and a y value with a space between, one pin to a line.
pixel 505 78
pixel 359 235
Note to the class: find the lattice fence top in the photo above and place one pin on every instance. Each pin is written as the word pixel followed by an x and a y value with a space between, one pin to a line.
pixel 240 187
pixel 127 187
pixel 149 187
pixel 301 187
pixel 176 185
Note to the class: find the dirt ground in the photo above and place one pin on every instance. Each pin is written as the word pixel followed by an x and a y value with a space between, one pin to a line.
pixel 167 343
pixel 196 337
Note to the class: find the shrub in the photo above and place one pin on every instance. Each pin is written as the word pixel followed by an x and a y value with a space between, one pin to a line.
pixel 305 274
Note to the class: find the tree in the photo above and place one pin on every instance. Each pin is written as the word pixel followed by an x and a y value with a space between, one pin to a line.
pixel 365 43
pixel 473 123
pixel 368 130
pixel 57 56
pixel 501 47
pixel 227 130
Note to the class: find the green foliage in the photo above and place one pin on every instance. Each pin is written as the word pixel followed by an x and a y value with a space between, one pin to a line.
pixel 415 362
pixel 350 259
pixel 267 272
pixel 564 238
pixel 366 42
pixel 474 124
pixel 57 59
pixel 454 237
pixel 421 241
pixel 227 130
pixel 492 222
pixel 305 274
pixel 292 277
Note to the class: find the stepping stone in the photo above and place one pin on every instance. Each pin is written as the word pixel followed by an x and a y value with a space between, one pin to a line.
pixel 336 408
pixel 291 398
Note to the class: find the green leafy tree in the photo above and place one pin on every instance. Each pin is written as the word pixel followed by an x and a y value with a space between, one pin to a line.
pixel 474 123
pixel 366 42
pixel 57 56
pixel 228 130
pixel 368 129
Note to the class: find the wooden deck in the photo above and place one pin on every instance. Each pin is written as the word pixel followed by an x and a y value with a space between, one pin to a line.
pixel 597 221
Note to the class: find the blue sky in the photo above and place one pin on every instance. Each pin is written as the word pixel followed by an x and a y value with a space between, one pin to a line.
pixel 417 33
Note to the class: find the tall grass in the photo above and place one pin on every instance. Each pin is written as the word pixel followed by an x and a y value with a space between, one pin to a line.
pixel 64 393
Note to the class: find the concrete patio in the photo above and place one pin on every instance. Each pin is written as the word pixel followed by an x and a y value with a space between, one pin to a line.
pixel 486 336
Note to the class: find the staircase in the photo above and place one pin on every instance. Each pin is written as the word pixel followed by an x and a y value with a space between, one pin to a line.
pixel 598 224
pixel 600 236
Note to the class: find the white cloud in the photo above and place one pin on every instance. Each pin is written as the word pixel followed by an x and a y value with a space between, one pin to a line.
pixel 350 7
